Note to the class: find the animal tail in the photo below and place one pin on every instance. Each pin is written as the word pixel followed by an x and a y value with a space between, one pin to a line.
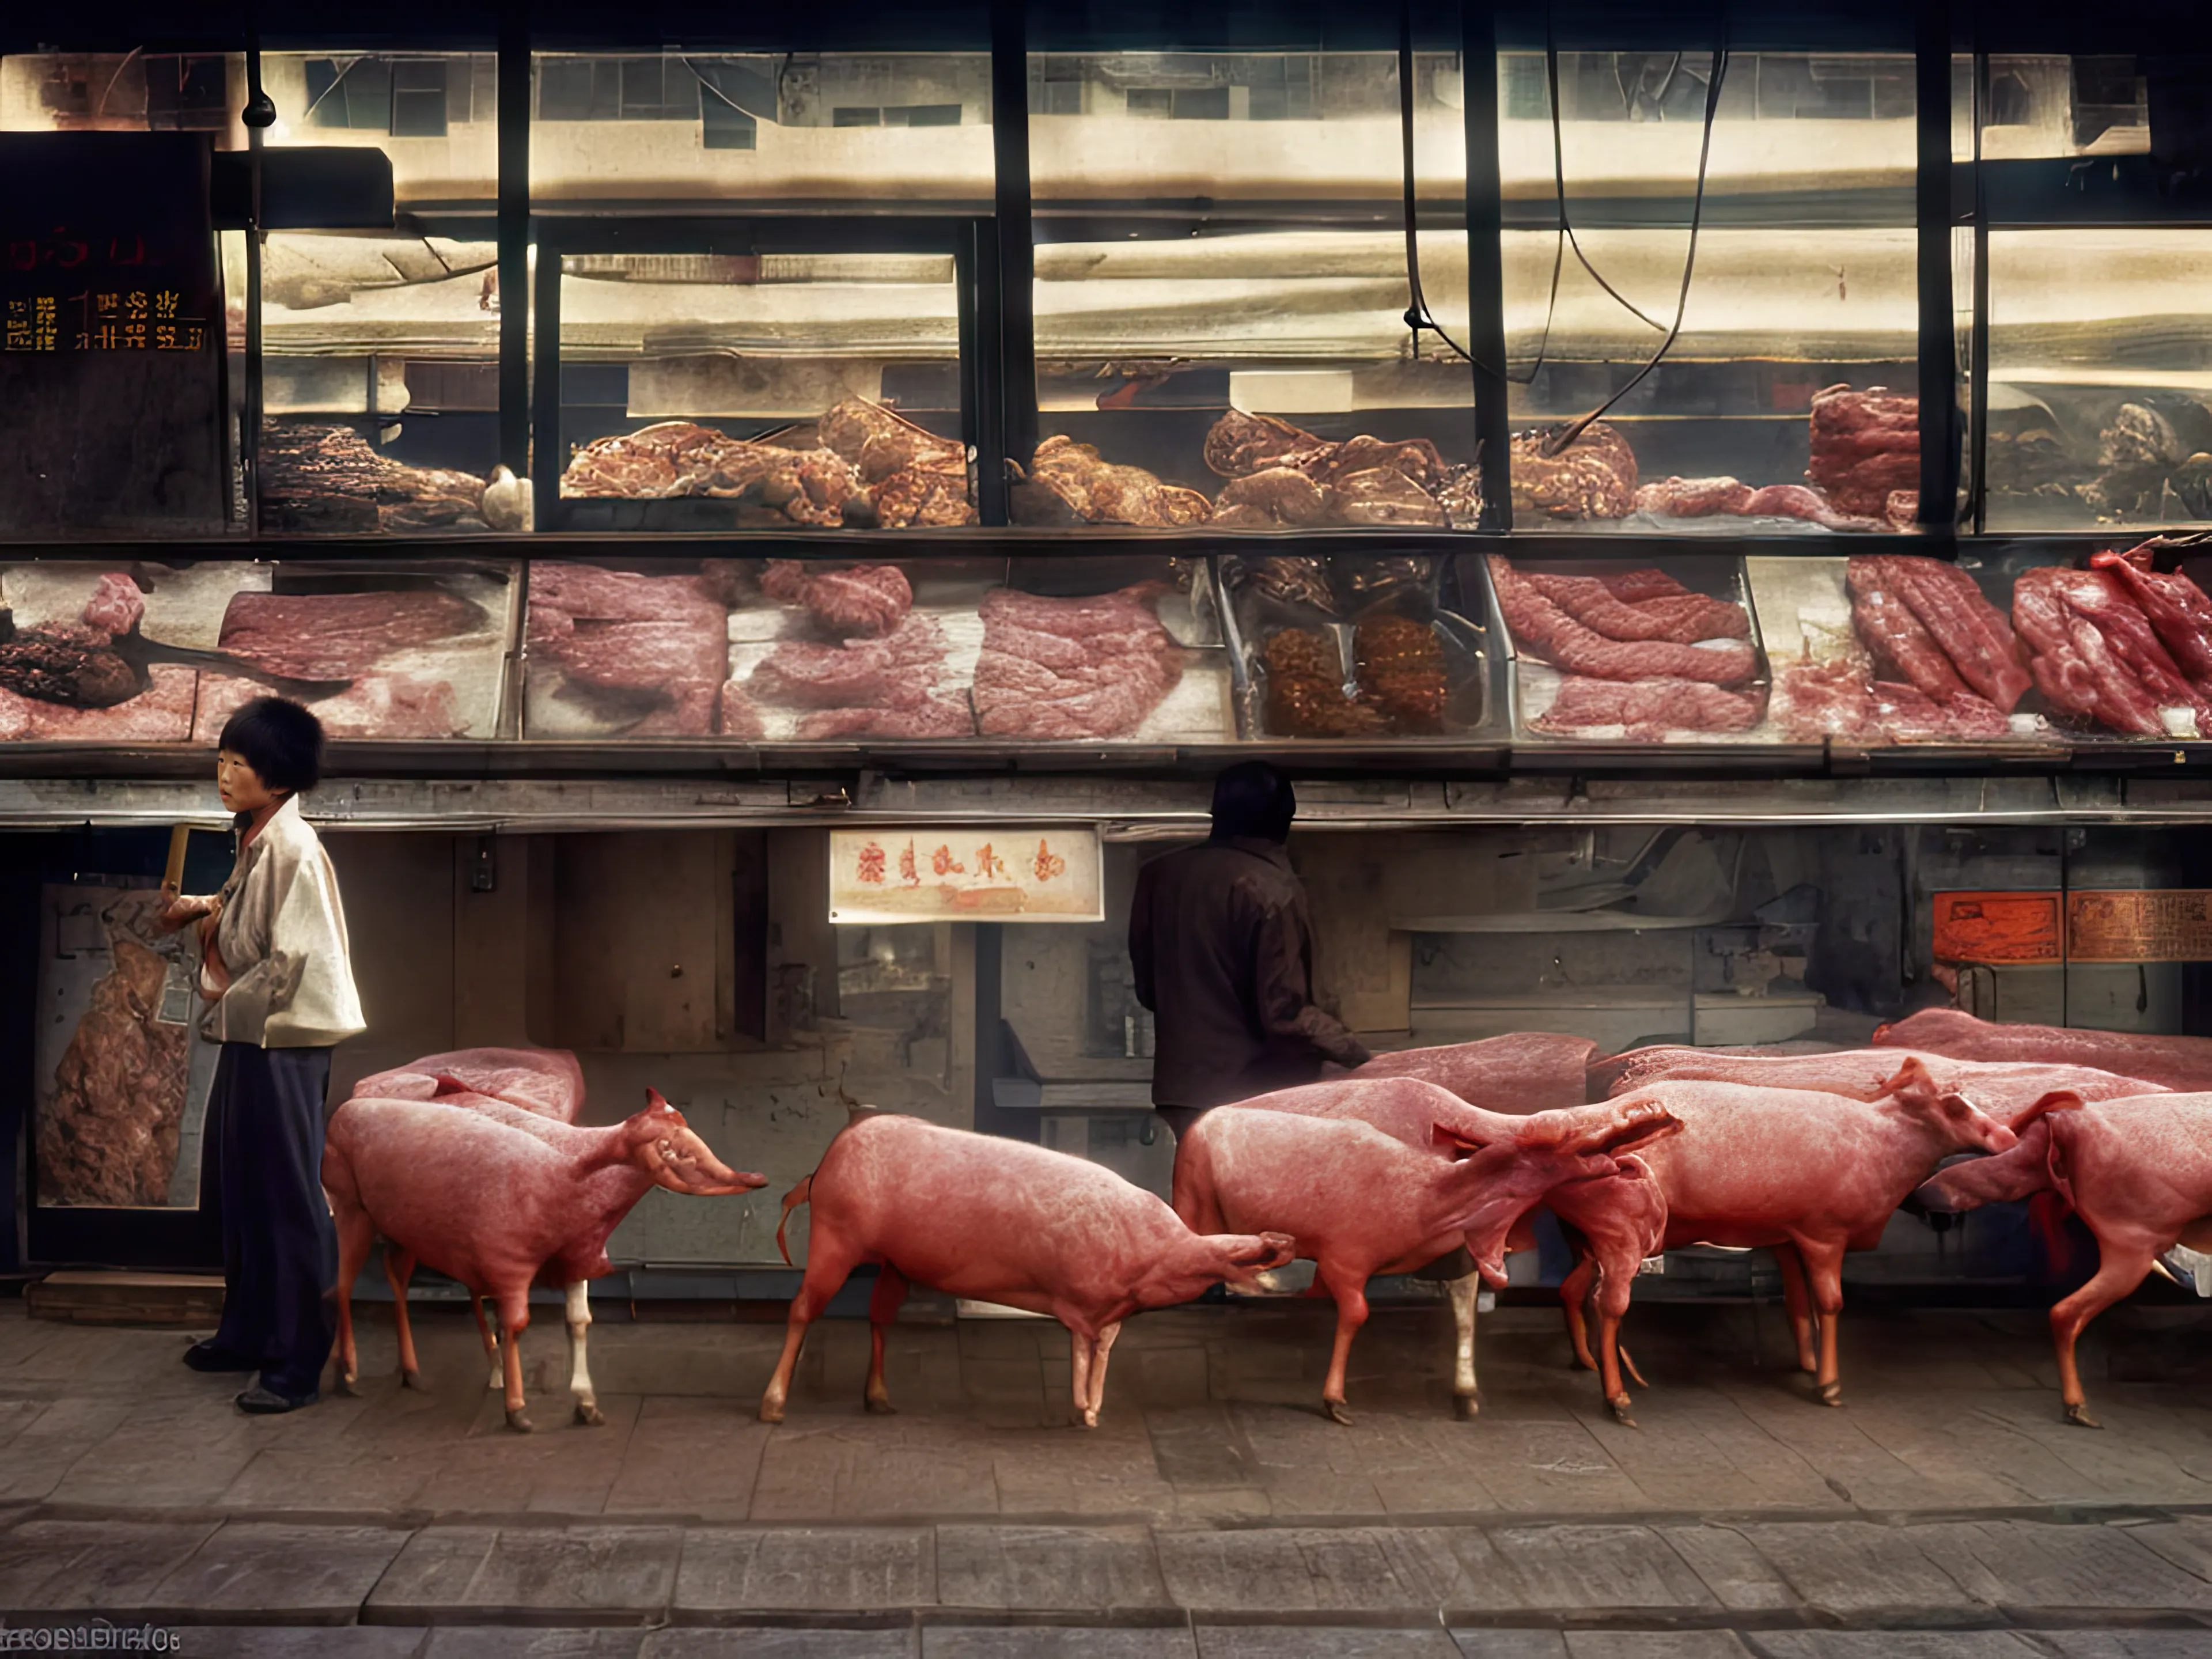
pixel 2058 1100
pixel 2062 1158
pixel 802 1193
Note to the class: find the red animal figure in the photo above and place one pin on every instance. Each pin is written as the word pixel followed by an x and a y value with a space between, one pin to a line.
pixel 499 1198
pixel 1362 1201
pixel 978 1216
pixel 1528 1071
pixel 2182 1063
pixel 2001 1088
pixel 1810 1174
pixel 2137 1171
pixel 1617 1220
pixel 548 1081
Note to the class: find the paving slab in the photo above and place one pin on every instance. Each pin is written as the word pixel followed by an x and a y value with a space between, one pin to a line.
pixel 92 1565
pixel 1656 1644
pixel 1849 1569
pixel 1047 1642
pixel 497 1642
pixel 1897 1645
pixel 1509 1643
pixel 1051 1568
pixel 277 1573
pixel 904 1643
pixel 2127 1643
pixel 1314 1570
pixel 729 1570
pixel 2030 1565
pixel 1323 1642
pixel 1740 1577
pixel 290 1642
pixel 1591 1568
pixel 552 1575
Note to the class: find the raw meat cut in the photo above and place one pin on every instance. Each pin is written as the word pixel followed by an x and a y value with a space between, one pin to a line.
pixel 334 637
pixel 1062 669
pixel 375 706
pixel 2003 1089
pixel 1359 1201
pixel 107 1134
pixel 1797 501
pixel 736 716
pixel 161 714
pixel 1865 445
pixel 1693 498
pixel 913 477
pixel 1975 644
pixel 886 688
pixel 1549 633
pixel 1525 1072
pixel 2174 1062
pixel 1068 481
pixel 869 599
pixel 1684 618
pixel 2178 608
pixel 1648 708
pixel 1635 586
pixel 2095 656
pixel 661 638
pixel 1902 509
pixel 933 717
pixel 1808 1173
pixel 1840 697
pixel 2137 1171
pixel 497 1197
pixel 823 676
pixel 980 1216
pixel 677 458
pixel 116 606
pixel 1594 477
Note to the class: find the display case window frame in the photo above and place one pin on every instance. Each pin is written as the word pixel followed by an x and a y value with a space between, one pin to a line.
pixel 963 239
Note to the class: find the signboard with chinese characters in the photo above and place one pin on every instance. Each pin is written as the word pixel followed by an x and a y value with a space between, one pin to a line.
pixel 999 873
pixel 2171 924
pixel 111 335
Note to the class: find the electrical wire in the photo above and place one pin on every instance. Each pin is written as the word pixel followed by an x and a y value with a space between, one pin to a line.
pixel 1419 318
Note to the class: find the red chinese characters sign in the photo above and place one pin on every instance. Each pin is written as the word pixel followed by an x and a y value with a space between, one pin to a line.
pixel 2171 924
pixel 997 874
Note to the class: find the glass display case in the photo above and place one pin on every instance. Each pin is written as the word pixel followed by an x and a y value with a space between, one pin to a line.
pixel 1715 255
pixel 1221 284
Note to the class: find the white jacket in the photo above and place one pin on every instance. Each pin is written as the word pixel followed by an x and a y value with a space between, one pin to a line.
pixel 282 937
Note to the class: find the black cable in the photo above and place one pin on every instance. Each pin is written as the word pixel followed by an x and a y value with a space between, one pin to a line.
pixel 1559 179
pixel 1418 316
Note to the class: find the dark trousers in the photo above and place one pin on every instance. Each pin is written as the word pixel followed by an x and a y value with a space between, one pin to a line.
pixel 280 1250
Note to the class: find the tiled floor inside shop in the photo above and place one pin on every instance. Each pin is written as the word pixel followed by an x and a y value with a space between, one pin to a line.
pixel 1214 1511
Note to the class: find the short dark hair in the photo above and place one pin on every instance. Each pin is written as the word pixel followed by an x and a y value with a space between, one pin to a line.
pixel 279 741
pixel 1252 799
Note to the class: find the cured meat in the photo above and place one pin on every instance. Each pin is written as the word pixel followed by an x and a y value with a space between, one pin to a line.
pixel 1865 447
pixel 116 606
pixel 665 638
pixel 2095 655
pixel 678 458
pixel 913 477
pixel 1072 668
pixel 72 669
pixel 2183 1063
pixel 107 1134
pixel 1097 492
pixel 2002 1089
pixel 1685 618
pixel 1902 509
pixel 1693 498
pixel 1523 1072
pixel 2179 610
pixel 336 636
pixel 869 599
pixel 1634 586
pixel 1545 631
pixel 1306 696
pixel 162 713
pixel 1949 606
pixel 1594 477
pixel 1648 708
pixel 1401 669
pixel 319 477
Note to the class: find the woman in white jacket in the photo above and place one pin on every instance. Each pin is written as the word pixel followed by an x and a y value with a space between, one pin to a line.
pixel 276 982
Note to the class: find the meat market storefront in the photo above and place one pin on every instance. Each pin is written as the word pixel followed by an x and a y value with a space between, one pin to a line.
pixel 780 530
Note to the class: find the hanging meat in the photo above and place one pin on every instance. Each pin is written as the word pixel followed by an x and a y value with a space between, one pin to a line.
pixel 1865 445
pixel 673 458
pixel 1067 481
pixel 1592 477
pixel 914 478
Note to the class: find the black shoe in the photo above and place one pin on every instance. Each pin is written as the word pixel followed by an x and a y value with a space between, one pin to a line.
pixel 262 1402
pixel 207 1357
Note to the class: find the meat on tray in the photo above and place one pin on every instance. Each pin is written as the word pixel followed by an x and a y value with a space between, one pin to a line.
pixel 679 458
pixel 2179 610
pixel 336 636
pixel 320 477
pixel 1865 445
pixel 377 705
pixel 809 675
pixel 1930 619
pixel 1069 482
pixel 116 606
pixel 1648 708
pixel 1306 696
pixel 1548 633
pixel 2095 656
pixel 1072 669
pixel 1280 475
pixel 1593 478
pixel 1840 697
pixel 1401 668
pixel 1693 498
pixel 1684 618
pixel 162 713
pixel 867 599
pixel 885 688
pixel 661 640
pixel 914 478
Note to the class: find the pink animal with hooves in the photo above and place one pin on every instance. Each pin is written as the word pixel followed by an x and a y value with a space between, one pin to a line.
pixel 1001 1221
pixel 2181 1063
pixel 500 1198
pixel 1362 1200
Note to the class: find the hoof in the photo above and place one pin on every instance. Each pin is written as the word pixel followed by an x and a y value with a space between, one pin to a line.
pixel 771 1410
pixel 412 1380
pixel 347 1385
pixel 1830 1394
pixel 880 1406
pixel 1464 1406
pixel 517 1422
pixel 589 1414
pixel 1089 1419
pixel 1338 1411
pixel 1620 1412
pixel 1634 1375
pixel 2077 1413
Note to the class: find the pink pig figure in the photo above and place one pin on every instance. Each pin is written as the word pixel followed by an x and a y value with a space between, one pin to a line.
pixel 499 1198
pixel 1000 1220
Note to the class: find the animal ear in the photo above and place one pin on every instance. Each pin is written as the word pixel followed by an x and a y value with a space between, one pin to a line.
pixel 657 1102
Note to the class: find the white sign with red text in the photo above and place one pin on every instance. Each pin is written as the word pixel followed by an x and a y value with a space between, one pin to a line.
pixel 999 873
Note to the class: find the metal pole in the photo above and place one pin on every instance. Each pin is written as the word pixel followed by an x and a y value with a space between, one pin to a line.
pixel 1486 261
pixel 1939 365
pixel 514 86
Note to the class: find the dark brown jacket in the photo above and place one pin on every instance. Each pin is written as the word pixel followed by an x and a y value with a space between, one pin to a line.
pixel 1223 948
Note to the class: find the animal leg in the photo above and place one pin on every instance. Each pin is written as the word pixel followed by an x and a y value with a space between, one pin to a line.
pixel 498 1379
pixel 1609 1358
pixel 1800 1305
pixel 2122 1266
pixel 513 1320
pixel 1574 1298
pixel 1100 1350
pixel 1350 1290
pixel 827 1264
pixel 355 1234
pixel 1823 1271
pixel 580 1371
pixel 883 1309
pixel 1079 1367
pixel 398 1268
pixel 1463 1292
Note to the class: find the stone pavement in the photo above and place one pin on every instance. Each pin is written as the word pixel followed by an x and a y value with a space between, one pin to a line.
pixel 1946 1511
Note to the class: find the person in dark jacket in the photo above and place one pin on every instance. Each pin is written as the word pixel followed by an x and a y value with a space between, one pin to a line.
pixel 1222 946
